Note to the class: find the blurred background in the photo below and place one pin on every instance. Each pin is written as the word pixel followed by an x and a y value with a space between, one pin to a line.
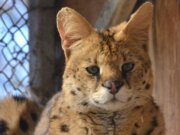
pixel 14 47
pixel 32 62
pixel 30 48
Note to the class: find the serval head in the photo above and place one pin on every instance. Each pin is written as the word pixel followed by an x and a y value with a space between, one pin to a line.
pixel 108 69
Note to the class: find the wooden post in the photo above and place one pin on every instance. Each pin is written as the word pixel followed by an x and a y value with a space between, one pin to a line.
pixel 114 12
pixel 166 39
pixel 42 48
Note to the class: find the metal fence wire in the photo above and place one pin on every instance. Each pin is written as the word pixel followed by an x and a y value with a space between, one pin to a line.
pixel 14 48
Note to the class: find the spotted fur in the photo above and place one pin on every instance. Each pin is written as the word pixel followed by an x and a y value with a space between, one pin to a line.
pixel 18 116
pixel 88 103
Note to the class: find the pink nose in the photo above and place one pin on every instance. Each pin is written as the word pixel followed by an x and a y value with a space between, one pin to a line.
pixel 113 86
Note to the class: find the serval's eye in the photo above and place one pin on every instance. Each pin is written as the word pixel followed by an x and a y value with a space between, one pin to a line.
pixel 94 70
pixel 127 67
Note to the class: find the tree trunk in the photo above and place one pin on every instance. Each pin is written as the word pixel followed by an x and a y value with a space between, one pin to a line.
pixel 166 39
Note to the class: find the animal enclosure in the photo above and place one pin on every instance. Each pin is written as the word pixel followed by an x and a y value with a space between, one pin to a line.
pixel 41 59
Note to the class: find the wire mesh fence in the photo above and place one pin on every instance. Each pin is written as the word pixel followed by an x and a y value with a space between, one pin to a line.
pixel 14 40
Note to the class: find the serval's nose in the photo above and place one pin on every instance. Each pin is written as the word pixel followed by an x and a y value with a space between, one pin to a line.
pixel 113 86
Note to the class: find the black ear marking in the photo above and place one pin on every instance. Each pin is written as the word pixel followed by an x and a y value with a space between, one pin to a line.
pixel 3 126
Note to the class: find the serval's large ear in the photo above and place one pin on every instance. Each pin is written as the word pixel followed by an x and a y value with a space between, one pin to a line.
pixel 72 28
pixel 137 27
pixel 140 21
